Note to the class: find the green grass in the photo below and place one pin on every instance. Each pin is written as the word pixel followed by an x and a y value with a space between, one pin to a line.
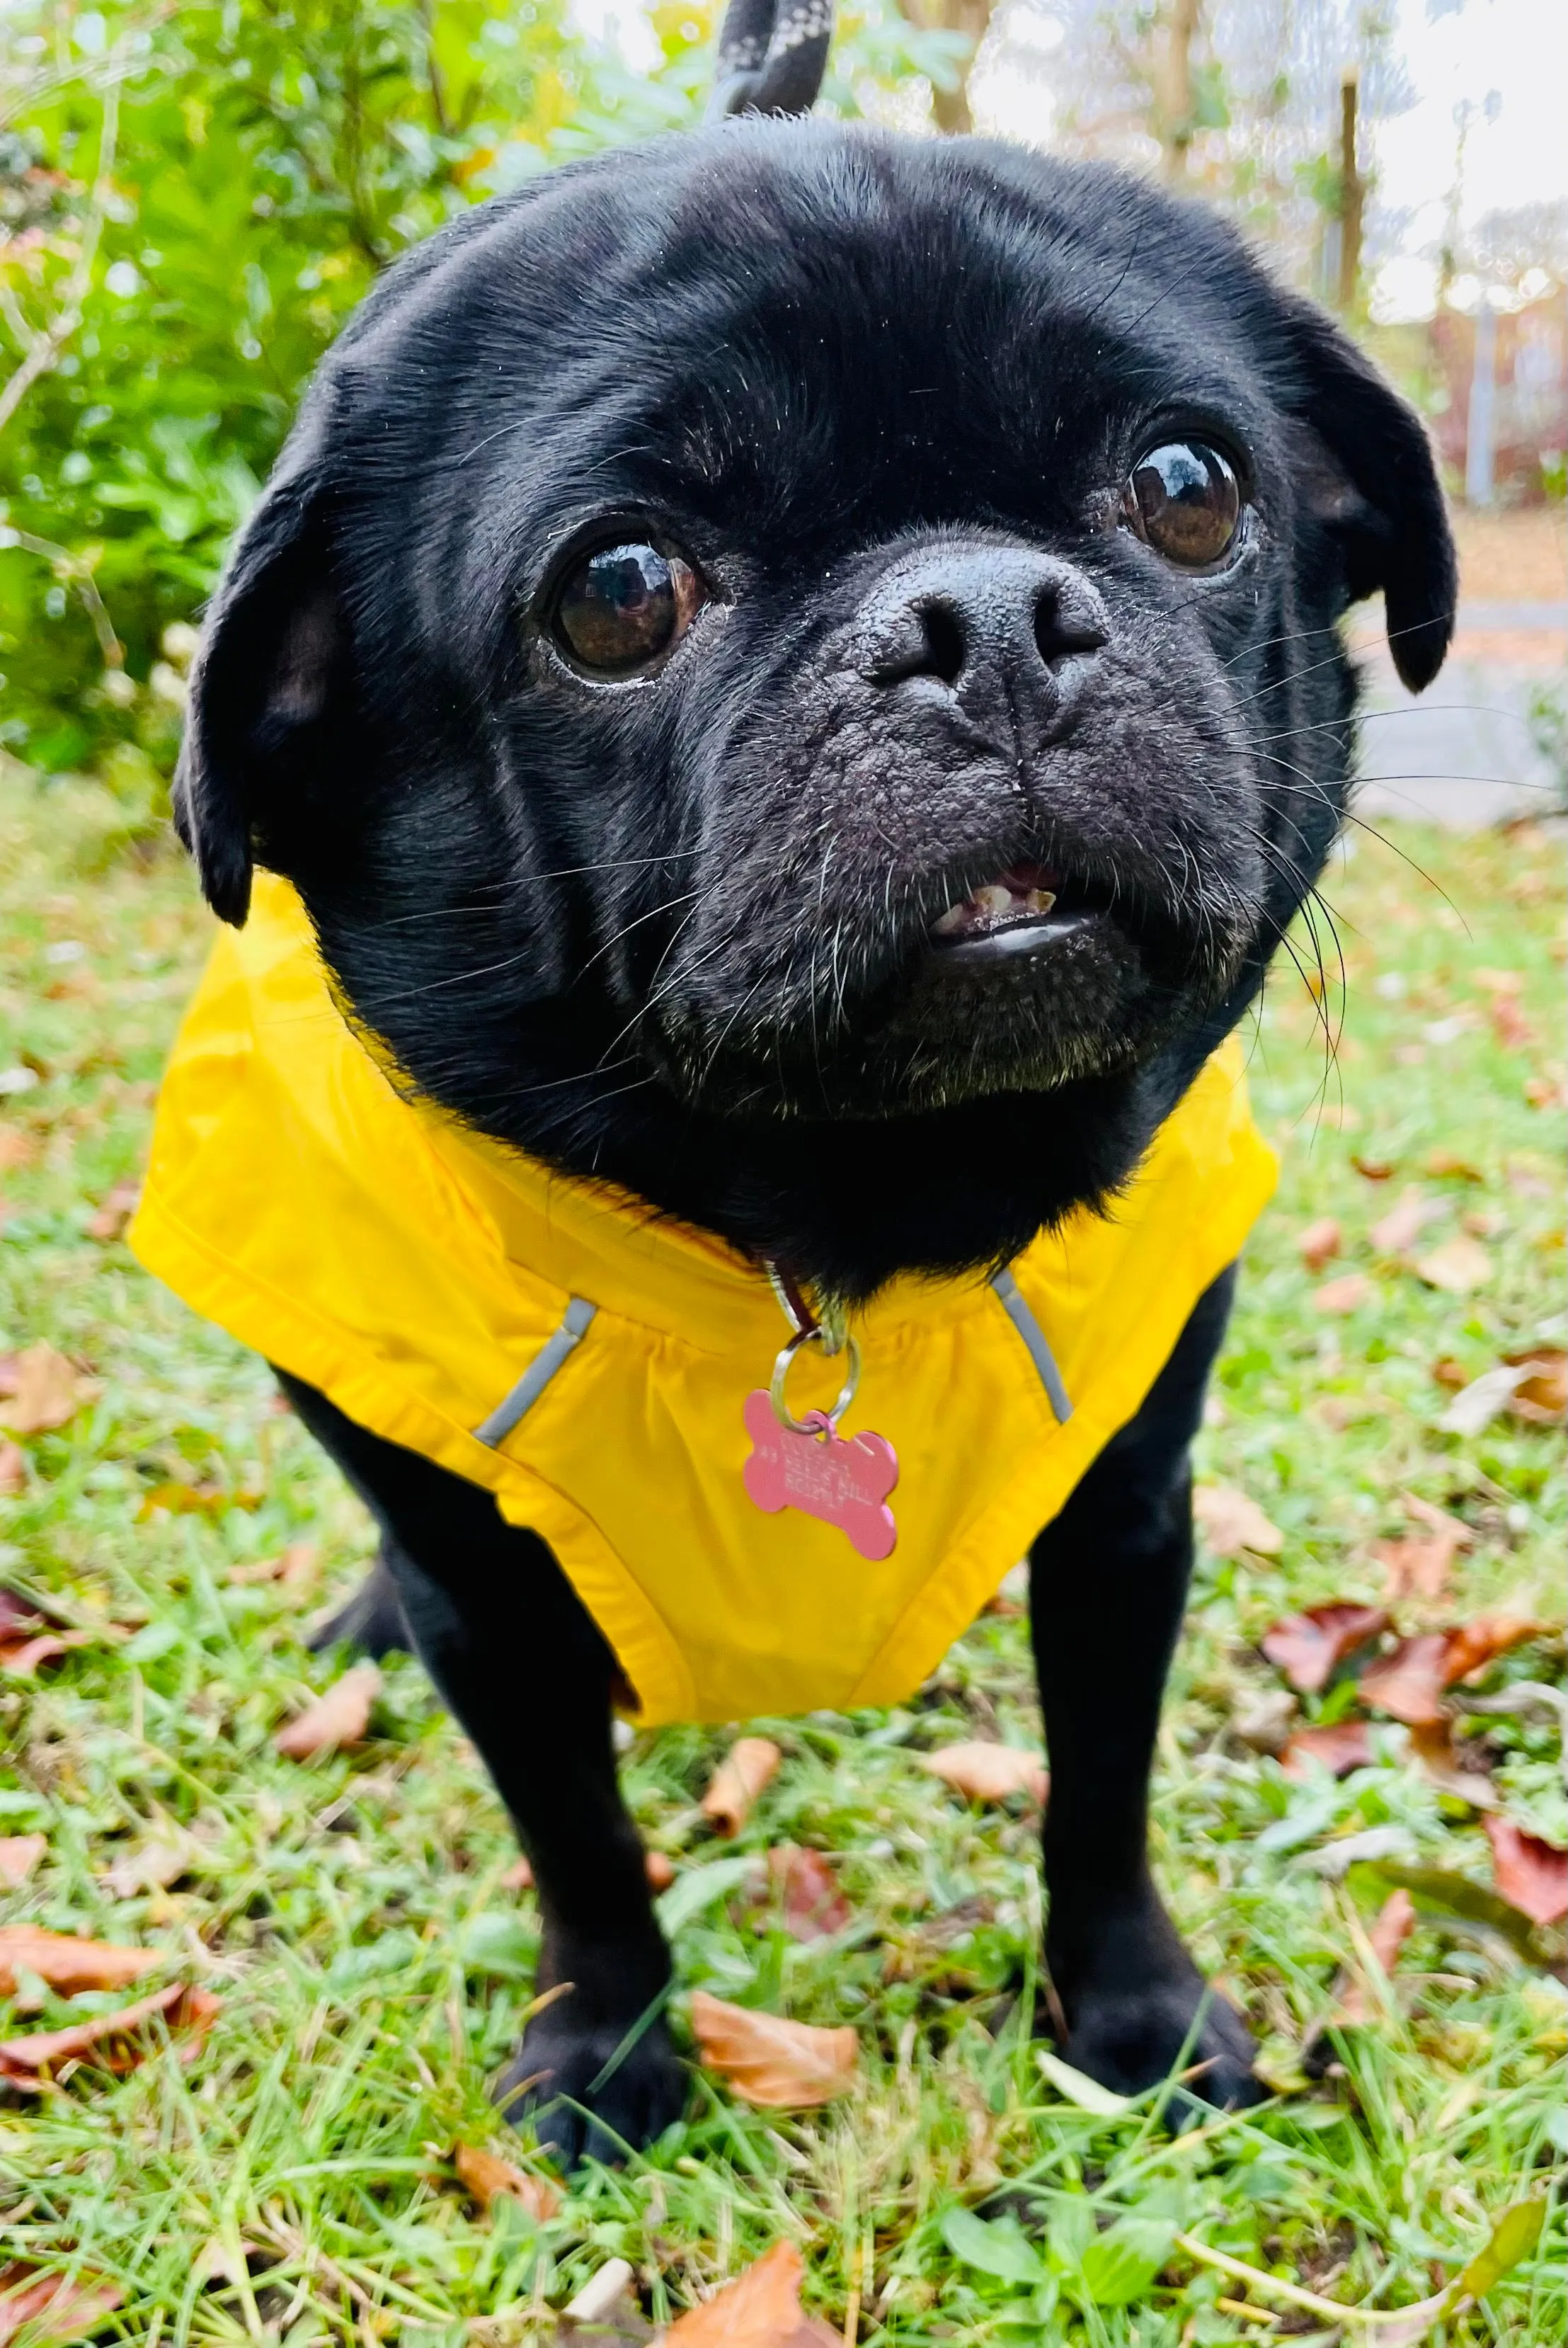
pixel 291 2184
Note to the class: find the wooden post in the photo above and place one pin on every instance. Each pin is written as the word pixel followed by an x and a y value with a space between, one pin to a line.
pixel 1352 196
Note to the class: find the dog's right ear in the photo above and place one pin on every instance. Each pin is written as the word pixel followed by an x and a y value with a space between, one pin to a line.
pixel 268 693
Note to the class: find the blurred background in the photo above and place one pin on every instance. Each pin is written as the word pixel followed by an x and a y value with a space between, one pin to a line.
pixel 193 198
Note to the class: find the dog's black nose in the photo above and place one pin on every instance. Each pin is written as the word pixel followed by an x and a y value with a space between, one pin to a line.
pixel 987 622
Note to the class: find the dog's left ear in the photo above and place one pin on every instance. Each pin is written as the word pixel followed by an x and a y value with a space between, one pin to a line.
pixel 1380 498
pixel 269 692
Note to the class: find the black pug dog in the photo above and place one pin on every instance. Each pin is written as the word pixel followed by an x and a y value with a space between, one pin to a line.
pixel 794 673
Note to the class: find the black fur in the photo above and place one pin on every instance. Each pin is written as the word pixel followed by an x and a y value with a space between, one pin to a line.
pixel 675 934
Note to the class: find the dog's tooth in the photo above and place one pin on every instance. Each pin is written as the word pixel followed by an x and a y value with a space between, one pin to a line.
pixel 992 898
pixel 1040 901
pixel 951 923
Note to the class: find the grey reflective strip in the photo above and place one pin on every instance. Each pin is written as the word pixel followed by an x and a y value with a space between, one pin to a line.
pixel 1033 1336
pixel 538 1374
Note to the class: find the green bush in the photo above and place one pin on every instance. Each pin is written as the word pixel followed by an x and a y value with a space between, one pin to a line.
pixel 194 199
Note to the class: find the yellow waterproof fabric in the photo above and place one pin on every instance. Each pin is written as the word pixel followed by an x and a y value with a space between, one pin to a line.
pixel 413 1272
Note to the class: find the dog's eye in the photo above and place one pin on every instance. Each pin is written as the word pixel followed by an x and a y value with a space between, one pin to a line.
pixel 623 609
pixel 1183 499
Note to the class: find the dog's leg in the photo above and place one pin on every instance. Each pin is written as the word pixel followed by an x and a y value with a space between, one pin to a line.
pixel 1108 1583
pixel 522 1664
pixel 371 1620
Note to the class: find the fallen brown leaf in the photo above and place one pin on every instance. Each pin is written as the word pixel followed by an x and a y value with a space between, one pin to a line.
pixel 1343 1295
pixel 806 1890
pixel 1473 1644
pixel 16 1148
pixel 292 1566
pixel 1317 1241
pixel 1434 1753
pixel 777 2065
pixel 151 1866
pixel 13 1470
pixel 761 2308
pixel 1448 1166
pixel 1417 1565
pixel 1510 1025
pixel 1544 1092
pixel 1341 1747
pixel 52 2308
pixel 486 2175
pixel 19 1854
pixel 1231 1522
pixel 1450 1373
pixel 1395 1923
pixel 68 1962
pixel 1404 1222
pixel 989 1772
pixel 1531 1875
pixel 1409 1681
pixel 115 1212
pixel 1309 1647
pixel 659 1868
pixel 1458 1267
pixel 29 2063
pixel 341 1717
pixel 751 1764
pixel 1542 1395
pixel 20 1656
pixel 1374 1169
pixel 46 1390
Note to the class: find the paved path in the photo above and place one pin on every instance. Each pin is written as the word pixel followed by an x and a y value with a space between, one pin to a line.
pixel 1462 755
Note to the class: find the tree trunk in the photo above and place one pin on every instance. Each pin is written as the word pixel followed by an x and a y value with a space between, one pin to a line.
pixel 1180 23
pixel 1352 198
pixel 950 107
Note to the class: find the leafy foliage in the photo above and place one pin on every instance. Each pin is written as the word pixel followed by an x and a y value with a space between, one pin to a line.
pixel 195 200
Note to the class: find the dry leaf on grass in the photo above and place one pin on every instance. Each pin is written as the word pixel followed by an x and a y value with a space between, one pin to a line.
pixel 761 2308
pixel 989 1772
pixel 341 1717
pixel 1510 1025
pixel 292 1566
pixel 16 1148
pixel 1417 1564
pixel 1395 1923
pixel 46 1390
pixel 52 2308
pixel 1540 1395
pixel 151 1866
pixel 780 2066
pixel 1459 1267
pixel 1230 1522
pixel 1405 1222
pixel 19 1854
pixel 1375 1169
pixel 13 1470
pixel 1343 1295
pixel 659 1869
pixel 1531 1875
pixel 1409 1681
pixel 111 2042
pixel 1341 1747
pixel 115 1211
pixel 486 2175
pixel 751 1764
pixel 68 1962
pixel 1318 1241
pixel 807 1891
pixel 1309 1647
pixel 1450 1167
pixel 1545 1092
pixel 1439 1761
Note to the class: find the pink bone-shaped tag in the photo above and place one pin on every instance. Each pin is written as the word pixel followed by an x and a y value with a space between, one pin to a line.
pixel 844 1480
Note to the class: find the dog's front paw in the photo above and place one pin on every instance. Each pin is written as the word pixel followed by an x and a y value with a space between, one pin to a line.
pixel 1131 2038
pixel 585 2091
pixel 1138 2011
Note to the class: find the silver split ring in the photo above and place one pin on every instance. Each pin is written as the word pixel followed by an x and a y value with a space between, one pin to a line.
pixel 782 1411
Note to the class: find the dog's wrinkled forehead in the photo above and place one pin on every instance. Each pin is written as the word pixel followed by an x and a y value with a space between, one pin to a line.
pixel 815 344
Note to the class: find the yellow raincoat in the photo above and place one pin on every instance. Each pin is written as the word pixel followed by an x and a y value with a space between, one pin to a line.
pixel 547 1338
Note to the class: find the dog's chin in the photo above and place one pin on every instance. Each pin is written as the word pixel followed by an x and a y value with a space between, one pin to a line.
pixel 1022 1005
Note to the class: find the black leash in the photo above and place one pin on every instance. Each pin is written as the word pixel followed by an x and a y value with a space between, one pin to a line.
pixel 771 56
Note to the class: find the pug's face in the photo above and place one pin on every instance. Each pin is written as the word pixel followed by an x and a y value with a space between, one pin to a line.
pixel 786 663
